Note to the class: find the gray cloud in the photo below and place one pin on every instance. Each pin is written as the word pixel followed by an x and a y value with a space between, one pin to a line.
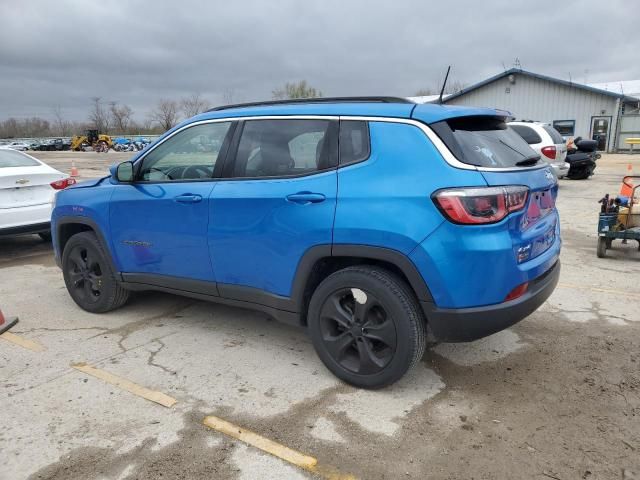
pixel 136 52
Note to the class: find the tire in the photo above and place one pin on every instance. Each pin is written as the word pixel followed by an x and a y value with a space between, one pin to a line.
pixel 88 275
pixel 602 247
pixel 371 344
pixel 45 236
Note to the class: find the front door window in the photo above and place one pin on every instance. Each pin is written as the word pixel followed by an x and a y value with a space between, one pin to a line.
pixel 189 155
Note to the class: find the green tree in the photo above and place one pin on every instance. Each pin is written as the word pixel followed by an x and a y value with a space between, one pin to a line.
pixel 296 90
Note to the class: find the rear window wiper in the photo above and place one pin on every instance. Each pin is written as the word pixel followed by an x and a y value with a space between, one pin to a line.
pixel 532 160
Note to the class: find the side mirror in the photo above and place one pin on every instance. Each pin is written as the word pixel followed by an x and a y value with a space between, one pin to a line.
pixel 124 172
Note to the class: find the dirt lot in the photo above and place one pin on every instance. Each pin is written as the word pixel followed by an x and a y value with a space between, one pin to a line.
pixel 557 396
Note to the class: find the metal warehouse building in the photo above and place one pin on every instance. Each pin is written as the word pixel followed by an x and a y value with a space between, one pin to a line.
pixel 606 114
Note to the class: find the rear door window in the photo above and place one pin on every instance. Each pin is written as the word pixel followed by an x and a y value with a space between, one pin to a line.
pixel 354 141
pixel 553 133
pixel 529 134
pixel 485 141
pixel 281 148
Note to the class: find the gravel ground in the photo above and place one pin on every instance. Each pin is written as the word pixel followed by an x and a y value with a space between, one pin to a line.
pixel 556 396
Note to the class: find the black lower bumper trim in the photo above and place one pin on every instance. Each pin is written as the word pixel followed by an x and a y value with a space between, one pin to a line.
pixel 24 229
pixel 8 324
pixel 468 324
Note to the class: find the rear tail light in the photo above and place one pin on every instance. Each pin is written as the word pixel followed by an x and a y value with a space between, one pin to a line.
pixel 549 152
pixel 474 206
pixel 1 318
pixel 517 292
pixel 62 184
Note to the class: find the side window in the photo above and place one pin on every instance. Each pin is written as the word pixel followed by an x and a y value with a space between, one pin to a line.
pixel 354 141
pixel 553 133
pixel 278 148
pixel 189 155
pixel 527 133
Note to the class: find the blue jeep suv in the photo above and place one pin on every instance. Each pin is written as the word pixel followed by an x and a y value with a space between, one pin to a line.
pixel 364 219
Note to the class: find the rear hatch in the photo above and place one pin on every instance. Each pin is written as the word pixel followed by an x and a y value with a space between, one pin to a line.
pixel 24 181
pixel 506 160
pixel 558 141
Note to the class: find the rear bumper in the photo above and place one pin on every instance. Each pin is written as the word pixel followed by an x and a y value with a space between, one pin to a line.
pixel 468 324
pixel 19 217
pixel 560 169
pixel 25 229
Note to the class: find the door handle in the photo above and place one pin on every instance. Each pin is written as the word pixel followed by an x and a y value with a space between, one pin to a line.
pixel 306 197
pixel 188 198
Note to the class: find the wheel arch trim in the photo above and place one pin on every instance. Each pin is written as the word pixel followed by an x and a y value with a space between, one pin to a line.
pixel 89 222
pixel 367 252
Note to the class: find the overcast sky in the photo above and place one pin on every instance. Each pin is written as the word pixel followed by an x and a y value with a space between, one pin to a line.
pixel 134 52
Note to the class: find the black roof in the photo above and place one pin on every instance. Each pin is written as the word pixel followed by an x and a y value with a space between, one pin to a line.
pixel 315 100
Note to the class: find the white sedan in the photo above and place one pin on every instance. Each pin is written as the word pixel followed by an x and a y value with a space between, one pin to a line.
pixel 27 191
pixel 22 146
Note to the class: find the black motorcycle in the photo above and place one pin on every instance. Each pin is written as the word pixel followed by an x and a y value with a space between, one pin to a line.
pixel 582 159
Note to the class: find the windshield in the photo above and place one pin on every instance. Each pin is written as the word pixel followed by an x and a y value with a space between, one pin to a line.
pixel 11 158
pixel 485 142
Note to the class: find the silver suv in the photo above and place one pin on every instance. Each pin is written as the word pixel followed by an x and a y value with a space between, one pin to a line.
pixel 547 142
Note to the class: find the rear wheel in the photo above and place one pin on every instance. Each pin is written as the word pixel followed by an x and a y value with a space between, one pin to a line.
pixel 602 247
pixel 88 275
pixel 366 326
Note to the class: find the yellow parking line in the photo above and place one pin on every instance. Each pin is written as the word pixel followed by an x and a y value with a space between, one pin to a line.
pixel 124 384
pixel 23 342
pixel 276 449
pixel 598 289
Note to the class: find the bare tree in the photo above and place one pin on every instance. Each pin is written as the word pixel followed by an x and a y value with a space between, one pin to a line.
pixel 296 90
pixel 25 128
pixel 98 115
pixel 456 86
pixel 165 114
pixel 120 117
pixel 62 126
pixel 424 92
pixel 193 105
pixel 228 95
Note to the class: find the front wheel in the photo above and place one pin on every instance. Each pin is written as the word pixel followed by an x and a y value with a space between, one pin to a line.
pixel 602 247
pixel 366 326
pixel 88 275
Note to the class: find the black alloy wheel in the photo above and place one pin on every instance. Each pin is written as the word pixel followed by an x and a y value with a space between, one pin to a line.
pixel 366 326
pixel 85 274
pixel 358 331
pixel 88 275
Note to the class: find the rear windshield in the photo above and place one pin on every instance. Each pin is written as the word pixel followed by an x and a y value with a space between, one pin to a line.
pixel 11 158
pixel 485 142
pixel 529 134
pixel 554 134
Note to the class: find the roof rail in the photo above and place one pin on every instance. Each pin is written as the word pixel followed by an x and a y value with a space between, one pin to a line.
pixel 316 100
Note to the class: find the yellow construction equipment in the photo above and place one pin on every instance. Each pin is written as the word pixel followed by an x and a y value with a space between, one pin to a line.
pixel 99 142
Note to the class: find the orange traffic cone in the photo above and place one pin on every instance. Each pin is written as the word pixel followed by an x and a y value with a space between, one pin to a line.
pixel 74 169
pixel 626 189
